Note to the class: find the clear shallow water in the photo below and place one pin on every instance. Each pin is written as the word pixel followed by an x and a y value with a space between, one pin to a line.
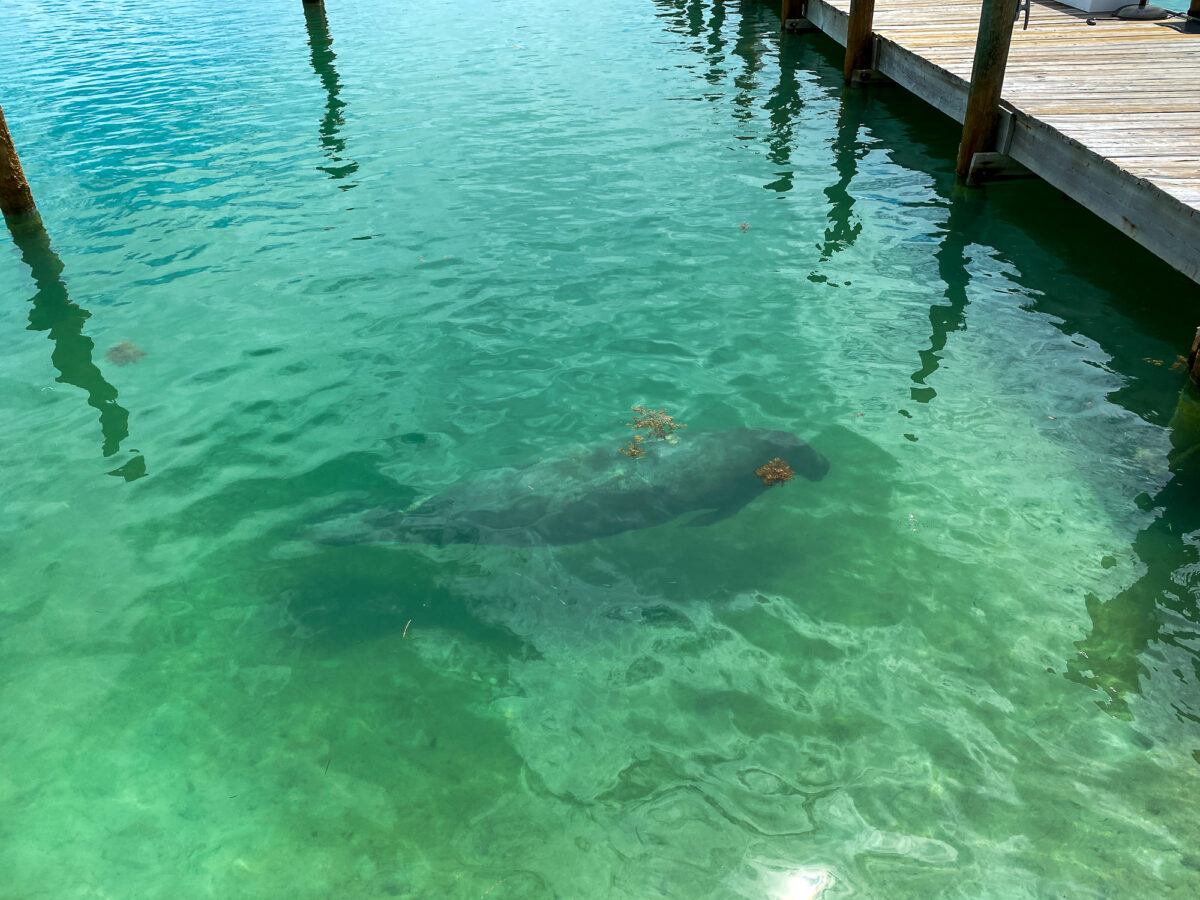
pixel 469 236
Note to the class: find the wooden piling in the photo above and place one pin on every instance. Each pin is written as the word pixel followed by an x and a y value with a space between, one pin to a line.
pixel 793 16
pixel 1193 359
pixel 15 196
pixel 987 81
pixel 859 38
pixel 1128 155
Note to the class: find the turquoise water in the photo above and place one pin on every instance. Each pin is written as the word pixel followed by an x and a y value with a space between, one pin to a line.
pixel 369 257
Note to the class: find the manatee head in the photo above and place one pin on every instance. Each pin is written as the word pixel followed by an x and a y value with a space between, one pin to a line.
pixel 796 453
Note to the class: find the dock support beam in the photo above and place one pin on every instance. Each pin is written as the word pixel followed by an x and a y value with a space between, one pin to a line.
pixel 987 82
pixel 15 196
pixel 859 38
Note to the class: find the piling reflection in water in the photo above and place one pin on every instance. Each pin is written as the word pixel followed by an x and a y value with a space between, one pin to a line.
pixel 1112 657
pixel 695 17
pixel 716 44
pixel 321 45
pixel 844 228
pixel 945 319
pixel 747 47
pixel 53 312
pixel 784 106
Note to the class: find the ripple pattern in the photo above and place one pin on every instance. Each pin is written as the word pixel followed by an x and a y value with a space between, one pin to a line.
pixel 300 262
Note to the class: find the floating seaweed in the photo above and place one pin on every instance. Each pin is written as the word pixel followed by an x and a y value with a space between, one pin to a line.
pixel 124 353
pixel 634 448
pixel 775 472
pixel 655 422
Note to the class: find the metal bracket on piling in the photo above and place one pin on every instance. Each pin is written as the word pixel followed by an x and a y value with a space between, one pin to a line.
pixel 871 75
pixel 859 38
pixel 794 15
pixel 992 166
pixel 997 165
pixel 981 119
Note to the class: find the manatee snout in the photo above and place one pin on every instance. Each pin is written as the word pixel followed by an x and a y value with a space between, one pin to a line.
pixel 800 456
pixel 812 465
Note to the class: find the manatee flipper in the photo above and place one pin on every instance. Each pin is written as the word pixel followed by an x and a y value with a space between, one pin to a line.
pixel 716 515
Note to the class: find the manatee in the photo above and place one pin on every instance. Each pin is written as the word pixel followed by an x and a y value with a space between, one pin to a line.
pixel 593 493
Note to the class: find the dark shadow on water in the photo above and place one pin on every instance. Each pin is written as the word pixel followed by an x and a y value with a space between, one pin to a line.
pixel 1126 625
pixel 352 594
pixel 321 44
pixel 329 596
pixel 52 311
pixel 1141 313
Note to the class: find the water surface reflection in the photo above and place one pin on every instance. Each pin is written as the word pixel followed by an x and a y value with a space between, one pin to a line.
pixel 52 311
pixel 320 42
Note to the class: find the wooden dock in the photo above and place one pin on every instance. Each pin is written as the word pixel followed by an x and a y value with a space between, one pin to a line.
pixel 1108 113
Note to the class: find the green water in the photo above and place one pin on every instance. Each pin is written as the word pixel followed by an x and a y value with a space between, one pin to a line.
pixel 464 236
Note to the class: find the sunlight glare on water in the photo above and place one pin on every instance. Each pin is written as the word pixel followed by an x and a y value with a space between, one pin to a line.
pixel 301 266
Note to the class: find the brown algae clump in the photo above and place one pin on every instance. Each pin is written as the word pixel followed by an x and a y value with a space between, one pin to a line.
pixel 634 448
pixel 655 422
pixel 124 353
pixel 775 472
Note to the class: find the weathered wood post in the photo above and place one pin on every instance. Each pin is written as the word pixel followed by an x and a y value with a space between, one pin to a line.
pixel 987 81
pixel 1192 25
pixel 1193 359
pixel 15 197
pixel 793 16
pixel 859 38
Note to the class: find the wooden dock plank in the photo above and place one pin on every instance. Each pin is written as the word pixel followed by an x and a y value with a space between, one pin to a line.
pixel 1108 113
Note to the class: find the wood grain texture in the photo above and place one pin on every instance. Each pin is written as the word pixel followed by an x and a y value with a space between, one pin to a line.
pixel 858 37
pixel 1107 113
pixel 15 198
pixel 987 81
